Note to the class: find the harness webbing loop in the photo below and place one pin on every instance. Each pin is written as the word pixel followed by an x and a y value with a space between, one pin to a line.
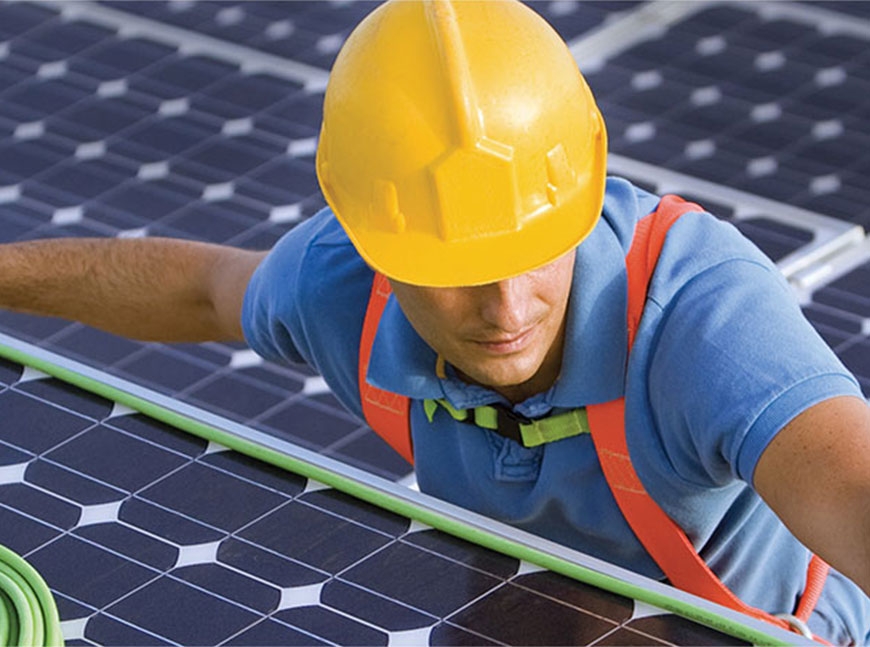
pixel 528 432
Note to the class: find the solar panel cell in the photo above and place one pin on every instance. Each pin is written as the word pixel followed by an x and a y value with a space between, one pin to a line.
pixel 40 428
pixel 333 627
pixel 290 530
pixel 270 632
pixel 82 179
pixel 667 631
pixel 717 19
pixel 18 18
pixel 513 615
pixel 310 424
pixel 847 203
pixel 181 76
pixel 96 118
pixel 22 160
pixel 137 463
pixel 66 396
pixel 424 580
pixel 88 573
pixel 366 451
pixel 267 566
pixel 825 49
pixel 130 543
pixel 249 469
pixel 213 222
pixel 168 525
pixel 66 38
pixel 83 491
pixel 166 606
pixel 20 533
pixel 103 630
pixel 468 554
pixel 38 99
pixel 821 104
pixel 30 327
pixel 232 396
pixel 119 57
pixel 770 34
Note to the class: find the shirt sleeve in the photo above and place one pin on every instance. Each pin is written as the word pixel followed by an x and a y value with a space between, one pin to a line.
pixel 734 363
pixel 306 302
pixel 269 310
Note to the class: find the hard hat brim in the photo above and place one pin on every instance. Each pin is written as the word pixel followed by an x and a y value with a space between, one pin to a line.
pixel 419 259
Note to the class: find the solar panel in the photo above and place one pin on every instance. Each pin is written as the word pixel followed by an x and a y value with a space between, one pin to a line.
pixel 767 99
pixel 199 120
pixel 179 540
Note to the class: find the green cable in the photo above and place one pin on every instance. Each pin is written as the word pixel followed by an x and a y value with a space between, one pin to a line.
pixel 28 613
pixel 8 619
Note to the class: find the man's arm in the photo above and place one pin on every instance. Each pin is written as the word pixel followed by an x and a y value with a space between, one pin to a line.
pixel 149 289
pixel 816 476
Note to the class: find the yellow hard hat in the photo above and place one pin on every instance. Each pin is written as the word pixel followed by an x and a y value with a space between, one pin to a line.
pixel 460 143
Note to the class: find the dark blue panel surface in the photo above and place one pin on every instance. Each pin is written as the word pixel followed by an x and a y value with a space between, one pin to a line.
pixel 756 88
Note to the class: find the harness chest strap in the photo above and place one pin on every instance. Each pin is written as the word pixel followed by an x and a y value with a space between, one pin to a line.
pixel 387 414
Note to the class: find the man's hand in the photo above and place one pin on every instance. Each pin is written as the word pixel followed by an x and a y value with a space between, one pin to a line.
pixel 156 289
pixel 816 476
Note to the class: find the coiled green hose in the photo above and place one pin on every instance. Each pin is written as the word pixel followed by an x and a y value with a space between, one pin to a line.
pixel 28 614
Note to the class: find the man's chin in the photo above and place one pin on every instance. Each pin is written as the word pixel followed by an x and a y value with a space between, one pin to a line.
pixel 498 377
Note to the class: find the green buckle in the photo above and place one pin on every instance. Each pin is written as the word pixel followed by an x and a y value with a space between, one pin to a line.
pixel 507 423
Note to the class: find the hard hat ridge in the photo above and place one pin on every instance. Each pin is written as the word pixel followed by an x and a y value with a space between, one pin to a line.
pixel 460 144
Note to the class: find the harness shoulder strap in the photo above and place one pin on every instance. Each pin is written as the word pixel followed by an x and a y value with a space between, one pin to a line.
pixel 385 412
pixel 666 542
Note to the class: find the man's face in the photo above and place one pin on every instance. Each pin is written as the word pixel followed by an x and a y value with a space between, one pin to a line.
pixel 506 335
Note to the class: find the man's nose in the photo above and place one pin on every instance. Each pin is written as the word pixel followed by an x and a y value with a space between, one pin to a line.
pixel 506 304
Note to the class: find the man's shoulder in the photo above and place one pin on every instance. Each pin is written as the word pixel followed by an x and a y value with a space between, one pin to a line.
pixel 316 248
pixel 624 205
pixel 312 263
pixel 321 229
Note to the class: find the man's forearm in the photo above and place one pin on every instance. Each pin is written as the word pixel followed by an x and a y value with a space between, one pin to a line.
pixel 150 289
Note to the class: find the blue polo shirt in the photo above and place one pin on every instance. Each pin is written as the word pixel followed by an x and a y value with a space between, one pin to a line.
pixel 722 361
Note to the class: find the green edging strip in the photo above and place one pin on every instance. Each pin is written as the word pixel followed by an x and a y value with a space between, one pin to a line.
pixel 28 614
pixel 399 506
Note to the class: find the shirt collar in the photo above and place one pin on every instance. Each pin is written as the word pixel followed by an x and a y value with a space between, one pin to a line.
pixel 593 366
pixel 401 362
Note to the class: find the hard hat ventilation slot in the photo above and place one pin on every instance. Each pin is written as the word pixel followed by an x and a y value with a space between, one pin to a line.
pixel 560 175
pixel 385 207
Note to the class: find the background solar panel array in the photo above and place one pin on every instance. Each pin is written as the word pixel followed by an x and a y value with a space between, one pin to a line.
pixel 199 120
pixel 772 100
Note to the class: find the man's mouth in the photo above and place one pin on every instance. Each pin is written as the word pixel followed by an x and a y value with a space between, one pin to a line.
pixel 507 344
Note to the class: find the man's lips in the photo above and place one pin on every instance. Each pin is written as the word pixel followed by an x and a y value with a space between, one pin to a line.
pixel 505 345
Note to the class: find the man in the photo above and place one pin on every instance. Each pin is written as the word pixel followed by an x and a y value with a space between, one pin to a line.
pixel 463 158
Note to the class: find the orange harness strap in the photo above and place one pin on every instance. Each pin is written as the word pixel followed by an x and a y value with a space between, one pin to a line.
pixel 387 414
pixel 666 542
pixel 384 411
